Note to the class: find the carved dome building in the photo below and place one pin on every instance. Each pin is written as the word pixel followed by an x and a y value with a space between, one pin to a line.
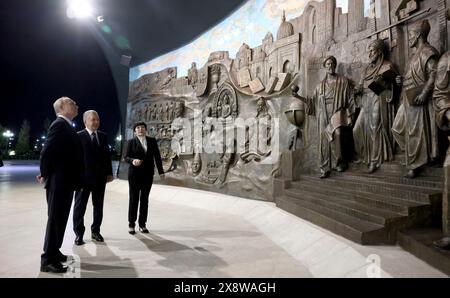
pixel 286 28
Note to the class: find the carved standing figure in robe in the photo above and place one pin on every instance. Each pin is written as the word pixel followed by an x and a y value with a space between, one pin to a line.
pixel 333 105
pixel 414 126
pixel 377 89
pixel 441 98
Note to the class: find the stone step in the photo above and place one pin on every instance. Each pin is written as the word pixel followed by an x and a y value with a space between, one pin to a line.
pixel 369 199
pixel 383 198
pixel 357 230
pixel 396 168
pixel 352 208
pixel 386 183
pixel 392 204
pixel 411 193
pixel 435 182
pixel 419 242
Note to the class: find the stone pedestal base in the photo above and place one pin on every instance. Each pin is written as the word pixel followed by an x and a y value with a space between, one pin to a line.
pixel 290 165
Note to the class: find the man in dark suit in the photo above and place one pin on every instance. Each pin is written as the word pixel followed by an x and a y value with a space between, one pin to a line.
pixel 97 172
pixel 61 167
pixel 142 155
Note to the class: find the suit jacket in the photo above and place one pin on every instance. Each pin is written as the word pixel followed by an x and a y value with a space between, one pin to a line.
pixel 61 161
pixel 97 158
pixel 144 172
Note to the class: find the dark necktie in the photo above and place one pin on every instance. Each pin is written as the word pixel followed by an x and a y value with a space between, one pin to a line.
pixel 94 139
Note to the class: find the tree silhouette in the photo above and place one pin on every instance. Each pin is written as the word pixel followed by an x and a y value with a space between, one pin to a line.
pixel 23 140
pixel 3 140
pixel 46 126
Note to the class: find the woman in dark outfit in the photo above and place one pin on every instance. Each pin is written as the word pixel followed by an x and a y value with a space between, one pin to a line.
pixel 142 155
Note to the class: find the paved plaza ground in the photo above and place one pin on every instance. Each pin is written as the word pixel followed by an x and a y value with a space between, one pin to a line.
pixel 192 234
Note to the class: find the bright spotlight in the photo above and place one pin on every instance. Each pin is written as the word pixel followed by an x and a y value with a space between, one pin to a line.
pixel 79 9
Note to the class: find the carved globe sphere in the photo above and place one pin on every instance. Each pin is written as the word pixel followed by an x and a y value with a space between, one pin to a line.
pixel 295 114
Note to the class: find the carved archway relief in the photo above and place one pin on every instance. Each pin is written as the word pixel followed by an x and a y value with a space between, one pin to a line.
pixel 225 99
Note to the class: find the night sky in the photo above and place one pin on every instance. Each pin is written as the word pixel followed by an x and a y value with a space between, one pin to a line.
pixel 45 55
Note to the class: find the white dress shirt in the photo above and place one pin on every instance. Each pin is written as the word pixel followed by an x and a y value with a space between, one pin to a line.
pixel 143 141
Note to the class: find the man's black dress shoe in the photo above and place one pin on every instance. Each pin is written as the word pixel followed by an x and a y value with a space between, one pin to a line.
pixel 54 268
pixel 61 257
pixel 65 260
pixel 143 230
pixel 97 237
pixel 79 240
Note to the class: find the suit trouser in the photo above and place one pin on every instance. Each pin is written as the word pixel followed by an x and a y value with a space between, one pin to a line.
pixel 139 193
pixel 81 200
pixel 59 201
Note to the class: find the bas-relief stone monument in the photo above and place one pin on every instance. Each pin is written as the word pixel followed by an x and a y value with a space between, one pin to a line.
pixel 224 138
pixel 368 110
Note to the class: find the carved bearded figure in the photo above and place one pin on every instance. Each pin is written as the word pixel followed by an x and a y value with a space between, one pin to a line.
pixel 193 74
pixel 441 98
pixel 372 131
pixel 414 126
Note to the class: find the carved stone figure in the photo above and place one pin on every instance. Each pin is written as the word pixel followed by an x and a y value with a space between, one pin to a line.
pixel 176 131
pixel 215 77
pixel 139 114
pixel 333 105
pixel 171 111
pixel 170 75
pixel 226 106
pixel 145 112
pixel 226 161
pixel 179 109
pixel 167 112
pixel 193 75
pixel 441 97
pixel 159 115
pixel 372 131
pixel 168 157
pixel 414 126
pixel 196 164
pixel 225 102
pixel 258 139
pixel 153 113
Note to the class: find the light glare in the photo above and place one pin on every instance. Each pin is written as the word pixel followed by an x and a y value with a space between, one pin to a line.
pixel 79 9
